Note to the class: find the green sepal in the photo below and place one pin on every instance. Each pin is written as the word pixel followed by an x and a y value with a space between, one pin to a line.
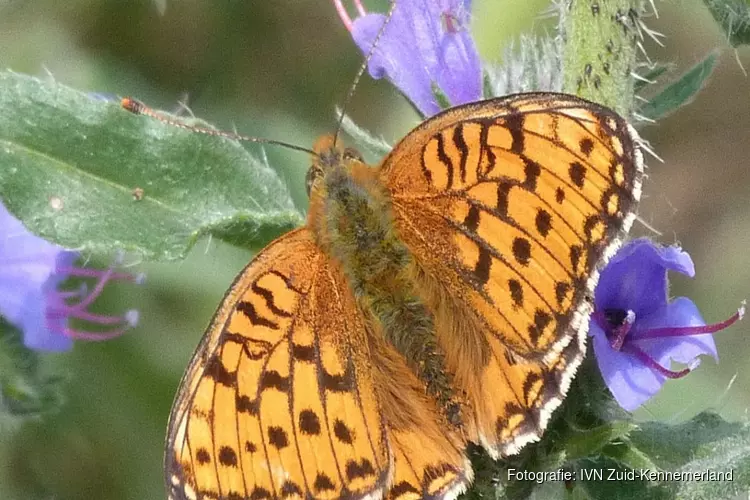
pixel 442 100
pixel 487 87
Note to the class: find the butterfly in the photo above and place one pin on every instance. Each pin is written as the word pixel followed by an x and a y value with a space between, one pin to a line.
pixel 438 299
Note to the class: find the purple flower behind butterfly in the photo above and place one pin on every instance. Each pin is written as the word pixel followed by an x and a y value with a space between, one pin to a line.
pixel 638 332
pixel 425 50
pixel 31 272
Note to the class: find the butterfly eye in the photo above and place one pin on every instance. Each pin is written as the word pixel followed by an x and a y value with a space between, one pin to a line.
pixel 352 154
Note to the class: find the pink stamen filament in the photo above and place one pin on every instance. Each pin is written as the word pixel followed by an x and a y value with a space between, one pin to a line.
pixel 59 308
pixel 72 293
pixel 94 273
pixel 615 334
pixel 101 319
pixel 620 333
pixel 79 335
pixel 360 9
pixel 690 330
pixel 343 14
pixel 102 281
pixel 651 362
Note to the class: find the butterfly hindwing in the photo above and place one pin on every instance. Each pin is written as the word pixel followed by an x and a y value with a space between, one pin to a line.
pixel 509 207
pixel 277 403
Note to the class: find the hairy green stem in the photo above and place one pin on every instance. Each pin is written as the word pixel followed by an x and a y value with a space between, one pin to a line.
pixel 600 51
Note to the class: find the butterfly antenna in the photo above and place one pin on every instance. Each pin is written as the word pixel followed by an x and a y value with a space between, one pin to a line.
pixel 362 68
pixel 138 108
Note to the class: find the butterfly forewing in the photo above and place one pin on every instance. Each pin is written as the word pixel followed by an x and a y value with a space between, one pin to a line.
pixel 509 207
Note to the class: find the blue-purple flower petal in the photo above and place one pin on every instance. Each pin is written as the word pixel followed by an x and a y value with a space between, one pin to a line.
pixel 40 331
pixel 636 278
pixel 679 313
pixel 638 334
pixel 631 382
pixel 426 44
pixel 390 59
pixel 26 263
pixel 31 272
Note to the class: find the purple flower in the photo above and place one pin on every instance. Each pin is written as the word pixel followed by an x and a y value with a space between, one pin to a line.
pixel 638 332
pixel 426 47
pixel 31 272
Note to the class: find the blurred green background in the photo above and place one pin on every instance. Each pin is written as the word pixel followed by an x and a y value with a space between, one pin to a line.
pixel 277 69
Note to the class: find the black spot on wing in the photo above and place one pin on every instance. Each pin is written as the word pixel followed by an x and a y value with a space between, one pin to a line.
pixel 586 145
pixel 532 170
pixel 361 469
pixel 543 222
pixel 516 292
pixel 271 379
pixel 323 483
pixel 260 493
pixel 251 314
pixel 482 267
pixel 445 160
pixel 218 373
pixel 203 456
pixel 246 405
pixel 270 302
pixel 337 383
pixel 402 488
pixel 541 320
pixel 522 251
pixel 577 173
pixel 290 489
pixel 471 222
pixel 309 423
pixel 514 122
pixel 463 149
pixel 342 432
pixel 305 353
pixel 227 456
pixel 277 437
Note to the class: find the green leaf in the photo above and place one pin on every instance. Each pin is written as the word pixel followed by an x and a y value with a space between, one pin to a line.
pixel 705 444
pixel 680 92
pixel 627 454
pixel 591 441
pixel 72 169
pixel 602 478
pixel 734 18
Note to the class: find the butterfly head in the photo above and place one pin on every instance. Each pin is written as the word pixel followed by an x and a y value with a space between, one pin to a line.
pixel 329 156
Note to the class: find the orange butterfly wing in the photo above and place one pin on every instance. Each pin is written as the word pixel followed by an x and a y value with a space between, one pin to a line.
pixel 277 402
pixel 509 207
pixel 287 394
